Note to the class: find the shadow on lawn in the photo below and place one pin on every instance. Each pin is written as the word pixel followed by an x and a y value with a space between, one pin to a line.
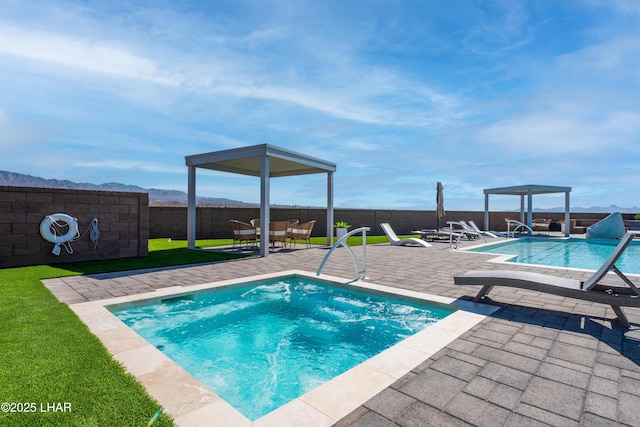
pixel 158 259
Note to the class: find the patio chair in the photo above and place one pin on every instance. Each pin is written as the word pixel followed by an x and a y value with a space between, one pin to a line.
pixel 396 241
pixel 301 232
pixel 290 224
pixel 541 224
pixel 236 233
pixel 590 290
pixel 278 232
pixel 244 232
pixel 255 223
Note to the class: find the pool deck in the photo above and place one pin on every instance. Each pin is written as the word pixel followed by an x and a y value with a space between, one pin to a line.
pixel 539 360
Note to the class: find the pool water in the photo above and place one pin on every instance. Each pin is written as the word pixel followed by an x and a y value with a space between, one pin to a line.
pixel 587 254
pixel 262 345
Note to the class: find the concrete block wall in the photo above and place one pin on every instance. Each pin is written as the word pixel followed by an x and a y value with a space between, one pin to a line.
pixel 123 221
pixel 213 222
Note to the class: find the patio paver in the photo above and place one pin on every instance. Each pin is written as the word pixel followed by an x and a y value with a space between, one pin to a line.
pixel 540 360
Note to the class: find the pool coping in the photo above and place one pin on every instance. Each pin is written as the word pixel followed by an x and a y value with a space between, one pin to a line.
pixel 192 404
pixel 503 259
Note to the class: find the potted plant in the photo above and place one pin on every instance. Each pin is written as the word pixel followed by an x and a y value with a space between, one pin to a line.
pixel 634 224
pixel 341 228
pixel 561 222
pixel 562 225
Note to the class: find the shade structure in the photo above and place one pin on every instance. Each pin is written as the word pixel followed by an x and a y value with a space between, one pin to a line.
pixel 440 213
pixel 528 190
pixel 265 161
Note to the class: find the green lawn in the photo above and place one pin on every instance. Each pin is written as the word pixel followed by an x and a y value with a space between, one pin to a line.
pixel 49 357
pixel 354 240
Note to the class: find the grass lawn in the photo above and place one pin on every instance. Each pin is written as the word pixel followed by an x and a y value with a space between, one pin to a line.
pixel 49 357
pixel 355 240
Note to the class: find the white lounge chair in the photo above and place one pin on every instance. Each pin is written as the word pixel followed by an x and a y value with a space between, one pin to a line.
pixel 590 290
pixel 465 230
pixel 477 230
pixel 396 241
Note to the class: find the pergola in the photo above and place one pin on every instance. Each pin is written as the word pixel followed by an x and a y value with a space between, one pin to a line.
pixel 528 190
pixel 264 161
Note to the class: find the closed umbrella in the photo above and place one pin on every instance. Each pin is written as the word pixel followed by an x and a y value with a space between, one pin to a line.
pixel 439 204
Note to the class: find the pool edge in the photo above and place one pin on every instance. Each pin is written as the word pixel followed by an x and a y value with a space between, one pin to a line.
pixel 191 403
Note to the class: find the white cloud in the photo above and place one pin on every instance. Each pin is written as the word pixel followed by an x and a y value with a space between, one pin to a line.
pixel 130 165
pixel 80 53
pixel 611 60
pixel 497 28
pixel 630 7
pixel 355 91
pixel 542 132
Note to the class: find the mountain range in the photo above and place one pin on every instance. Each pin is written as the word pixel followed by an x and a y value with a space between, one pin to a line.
pixel 157 197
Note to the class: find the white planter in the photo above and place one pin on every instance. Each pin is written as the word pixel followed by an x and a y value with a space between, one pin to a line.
pixel 341 232
pixel 562 227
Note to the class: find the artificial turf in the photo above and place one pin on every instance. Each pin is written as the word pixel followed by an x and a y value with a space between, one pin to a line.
pixel 53 371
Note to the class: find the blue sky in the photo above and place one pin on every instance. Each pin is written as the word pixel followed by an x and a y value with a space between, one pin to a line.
pixel 399 94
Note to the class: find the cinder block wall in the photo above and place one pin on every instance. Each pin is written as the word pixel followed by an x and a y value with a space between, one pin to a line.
pixel 123 221
pixel 214 222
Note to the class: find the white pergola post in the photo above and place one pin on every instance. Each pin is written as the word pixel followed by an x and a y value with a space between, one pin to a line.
pixel 529 209
pixel 329 208
pixel 191 207
pixel 265 207
pixel 567 215
pixel 486 211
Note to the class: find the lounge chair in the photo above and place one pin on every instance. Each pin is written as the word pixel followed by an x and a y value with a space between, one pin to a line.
pixel 477 230
pixel 396 241
pixel 468 227
pixel 590 290
pixel 439 234
pixel 465 230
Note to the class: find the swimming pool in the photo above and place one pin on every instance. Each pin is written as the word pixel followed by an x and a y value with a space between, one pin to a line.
pixel 588 254
pixel 192 403
pixel 266 343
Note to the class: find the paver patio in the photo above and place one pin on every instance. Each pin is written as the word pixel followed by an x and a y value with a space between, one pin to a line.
pixel 540 360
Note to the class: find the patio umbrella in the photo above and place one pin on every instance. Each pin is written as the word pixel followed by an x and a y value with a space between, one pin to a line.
pixel 439 204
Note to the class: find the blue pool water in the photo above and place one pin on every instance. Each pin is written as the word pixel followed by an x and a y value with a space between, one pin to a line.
pixel 587 254
pixel 262 345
